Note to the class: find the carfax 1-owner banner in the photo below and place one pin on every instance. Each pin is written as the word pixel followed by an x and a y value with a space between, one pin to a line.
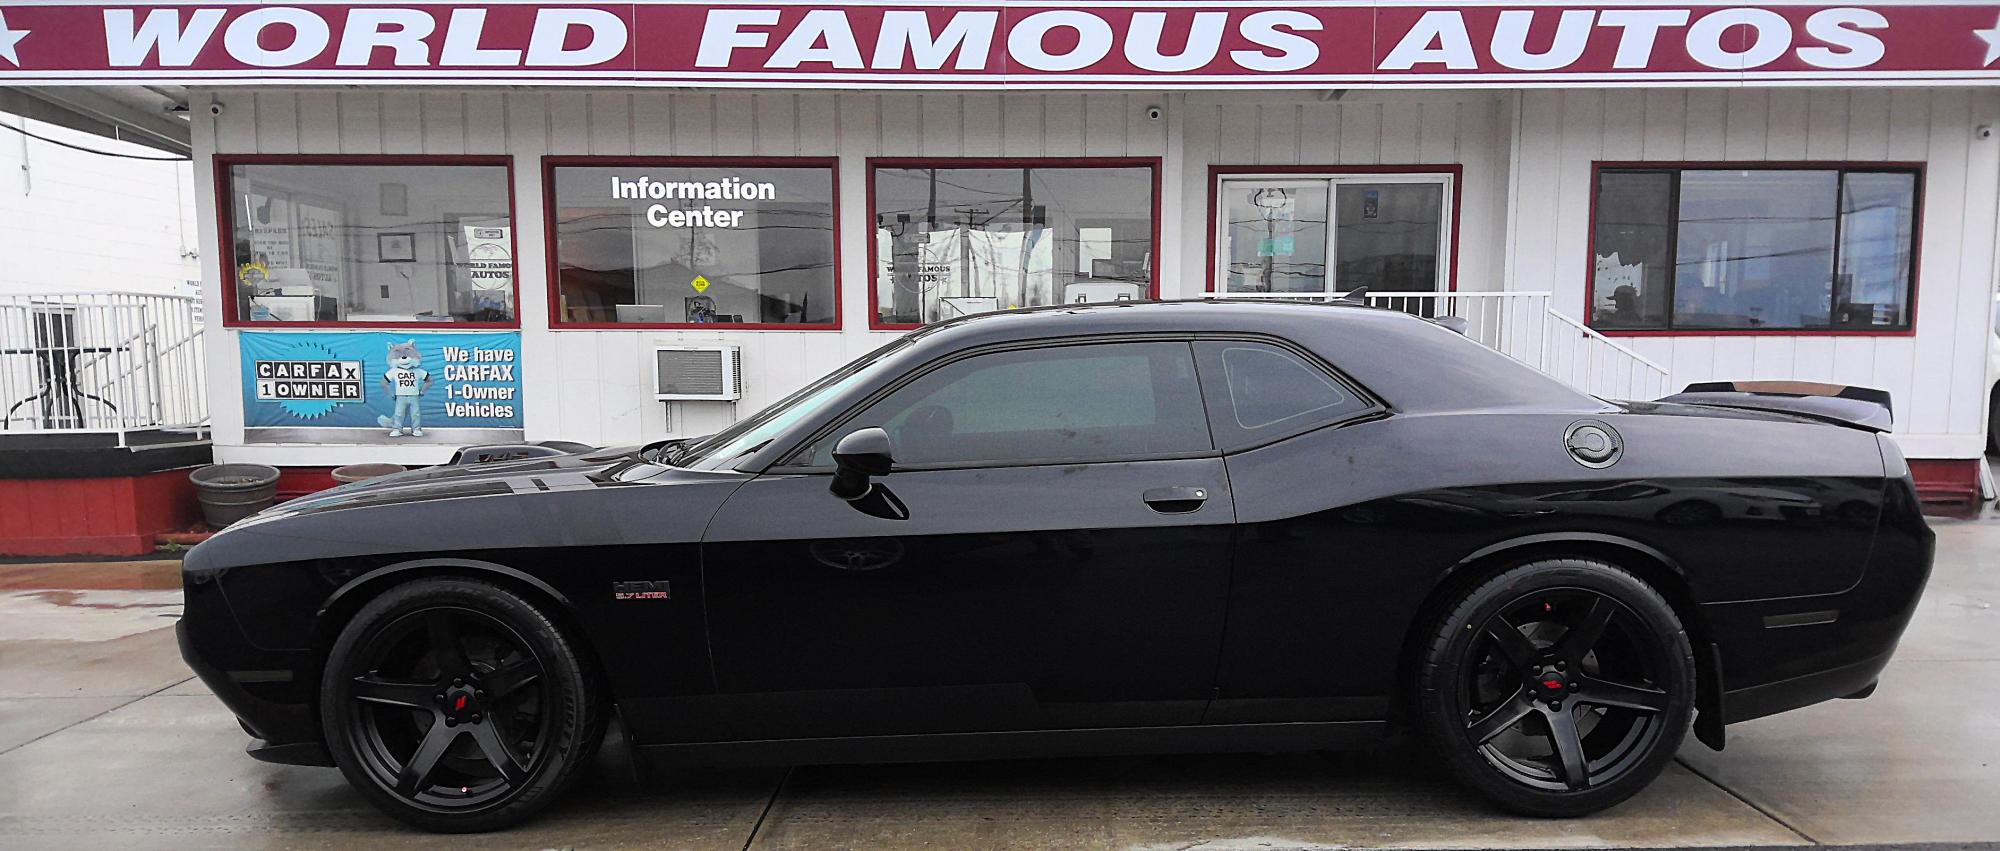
pixel 1004 44
pixel 381 387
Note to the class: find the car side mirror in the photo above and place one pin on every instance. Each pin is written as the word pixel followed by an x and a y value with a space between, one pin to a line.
pixel 857 457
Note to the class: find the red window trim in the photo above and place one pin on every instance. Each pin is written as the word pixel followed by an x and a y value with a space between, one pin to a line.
pixel 553 162
pixel 225 226
pixel 1217 172
pixel 1597 167
pixel 875 322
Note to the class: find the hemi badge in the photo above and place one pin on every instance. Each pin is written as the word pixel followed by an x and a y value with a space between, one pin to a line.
pixel 640 590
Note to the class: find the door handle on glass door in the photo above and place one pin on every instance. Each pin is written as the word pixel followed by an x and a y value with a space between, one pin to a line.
pixel 1175 500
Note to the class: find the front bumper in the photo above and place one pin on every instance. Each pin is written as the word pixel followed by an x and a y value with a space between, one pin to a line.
pixel 270 702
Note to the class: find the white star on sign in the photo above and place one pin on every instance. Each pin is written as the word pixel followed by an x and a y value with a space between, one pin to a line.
pixel 9 38
pixel 1992 39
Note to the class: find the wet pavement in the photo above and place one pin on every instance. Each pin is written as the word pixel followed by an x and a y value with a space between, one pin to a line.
pixel 106 740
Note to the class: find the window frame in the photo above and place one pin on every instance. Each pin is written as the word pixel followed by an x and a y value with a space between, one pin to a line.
pixel 225 226
pixel 1454 174
pixel 1841 168
pixel 861 405
pixel 554 283
pixel 1154 164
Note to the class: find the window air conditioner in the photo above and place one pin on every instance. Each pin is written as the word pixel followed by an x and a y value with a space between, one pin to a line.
pixel 698 373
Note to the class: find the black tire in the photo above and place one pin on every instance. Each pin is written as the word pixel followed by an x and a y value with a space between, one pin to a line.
pixel 423 730
pixel 1590 643
pixel 1993 423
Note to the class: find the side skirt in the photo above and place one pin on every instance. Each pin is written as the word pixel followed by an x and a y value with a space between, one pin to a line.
pixel 947 747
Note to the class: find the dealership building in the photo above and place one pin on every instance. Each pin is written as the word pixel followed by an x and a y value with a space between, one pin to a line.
pixel 425 225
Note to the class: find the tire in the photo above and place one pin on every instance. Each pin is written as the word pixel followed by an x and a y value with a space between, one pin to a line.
pixel 1993 424
pixel 1590 643
pixel 457 706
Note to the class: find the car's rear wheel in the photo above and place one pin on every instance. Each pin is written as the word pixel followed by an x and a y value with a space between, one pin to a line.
pixel 1993 423
pixel 458 706
pixel 1557 688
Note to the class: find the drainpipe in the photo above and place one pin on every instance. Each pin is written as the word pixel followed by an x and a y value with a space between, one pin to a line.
pixel 27 174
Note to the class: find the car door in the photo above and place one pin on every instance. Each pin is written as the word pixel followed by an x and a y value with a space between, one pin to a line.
pixel 1301 593
pixel 1054 556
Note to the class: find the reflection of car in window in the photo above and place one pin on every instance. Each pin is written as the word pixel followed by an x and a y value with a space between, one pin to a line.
pixel 1179 526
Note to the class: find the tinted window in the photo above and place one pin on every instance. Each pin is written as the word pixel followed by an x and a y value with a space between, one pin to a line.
pixel 1635 236
pixel 1063 404
pixel 1754 248
pixel 1258 391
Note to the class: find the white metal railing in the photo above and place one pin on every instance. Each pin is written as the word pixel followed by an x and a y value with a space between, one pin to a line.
pixel 1600 366
pixel 101 362
pixel 1523 326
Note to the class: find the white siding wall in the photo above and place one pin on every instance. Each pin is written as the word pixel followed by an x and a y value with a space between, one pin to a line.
pixel 1524 213
pixel 76 221
pixel 593 386
pixel 1362 128
pixel 1937 376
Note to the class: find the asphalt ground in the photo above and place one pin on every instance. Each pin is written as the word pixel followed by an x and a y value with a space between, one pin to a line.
pixel 106 741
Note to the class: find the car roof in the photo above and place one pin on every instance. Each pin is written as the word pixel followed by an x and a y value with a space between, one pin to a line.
pixel 1412 363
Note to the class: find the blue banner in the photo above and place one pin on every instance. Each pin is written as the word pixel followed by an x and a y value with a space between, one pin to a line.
pixel 381 386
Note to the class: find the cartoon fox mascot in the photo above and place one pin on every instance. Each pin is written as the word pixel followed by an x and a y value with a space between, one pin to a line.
pixel 409 381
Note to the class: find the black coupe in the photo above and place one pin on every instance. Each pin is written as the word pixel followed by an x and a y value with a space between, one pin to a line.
pixel 1177 526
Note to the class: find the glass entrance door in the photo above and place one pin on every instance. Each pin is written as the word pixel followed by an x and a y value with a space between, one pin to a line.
pixel 1389 233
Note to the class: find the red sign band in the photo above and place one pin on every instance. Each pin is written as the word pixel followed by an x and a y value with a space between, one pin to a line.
pixel 987 45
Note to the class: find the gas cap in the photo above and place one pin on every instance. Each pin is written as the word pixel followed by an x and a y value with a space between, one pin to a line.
pixel 1593 443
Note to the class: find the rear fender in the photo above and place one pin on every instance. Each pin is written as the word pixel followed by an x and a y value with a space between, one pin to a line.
pixel 1655 567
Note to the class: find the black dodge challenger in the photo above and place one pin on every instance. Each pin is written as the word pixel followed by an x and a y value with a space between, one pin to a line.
pixel 1182 526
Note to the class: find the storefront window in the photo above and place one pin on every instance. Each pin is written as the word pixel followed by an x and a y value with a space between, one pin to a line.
pixel 1384 232
pixel 956 241
pixel 660 243
pixel 370 243
pixel 1750 249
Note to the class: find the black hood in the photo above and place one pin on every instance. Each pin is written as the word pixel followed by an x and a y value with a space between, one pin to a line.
pixel 591 469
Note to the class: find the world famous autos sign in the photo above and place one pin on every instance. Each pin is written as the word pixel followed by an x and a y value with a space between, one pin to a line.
pixel 381 386
pixel 1005 44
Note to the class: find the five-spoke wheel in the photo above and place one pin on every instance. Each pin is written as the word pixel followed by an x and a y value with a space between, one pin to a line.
pixel 1559 687
pixel 456 705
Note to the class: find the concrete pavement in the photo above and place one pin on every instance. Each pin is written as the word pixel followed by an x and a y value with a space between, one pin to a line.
pixel 105 740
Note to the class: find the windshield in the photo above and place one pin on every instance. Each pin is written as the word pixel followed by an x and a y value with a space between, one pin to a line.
pixel 752 434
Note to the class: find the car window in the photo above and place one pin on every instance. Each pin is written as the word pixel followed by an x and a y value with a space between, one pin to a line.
pixel 749 435
pixel 1059 404
pixel 1259 391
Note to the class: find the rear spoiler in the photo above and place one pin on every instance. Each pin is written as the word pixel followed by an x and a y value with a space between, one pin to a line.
pixel 1860 407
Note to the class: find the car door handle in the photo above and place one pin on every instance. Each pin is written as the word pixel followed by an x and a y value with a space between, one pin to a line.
pixel 1175 500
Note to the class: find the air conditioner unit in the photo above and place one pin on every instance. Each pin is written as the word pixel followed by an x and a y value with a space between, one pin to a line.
pixel 698 373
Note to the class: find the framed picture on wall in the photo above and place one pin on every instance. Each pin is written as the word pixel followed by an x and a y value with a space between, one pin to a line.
pixel 396 247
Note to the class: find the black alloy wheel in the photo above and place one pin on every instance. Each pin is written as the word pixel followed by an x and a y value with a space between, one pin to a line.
pixel 457 706
pixel 1993 423
pixel 1558 688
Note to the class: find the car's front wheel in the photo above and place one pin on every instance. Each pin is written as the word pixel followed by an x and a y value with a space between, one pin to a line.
pixel 1557 688
pixel 457 706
